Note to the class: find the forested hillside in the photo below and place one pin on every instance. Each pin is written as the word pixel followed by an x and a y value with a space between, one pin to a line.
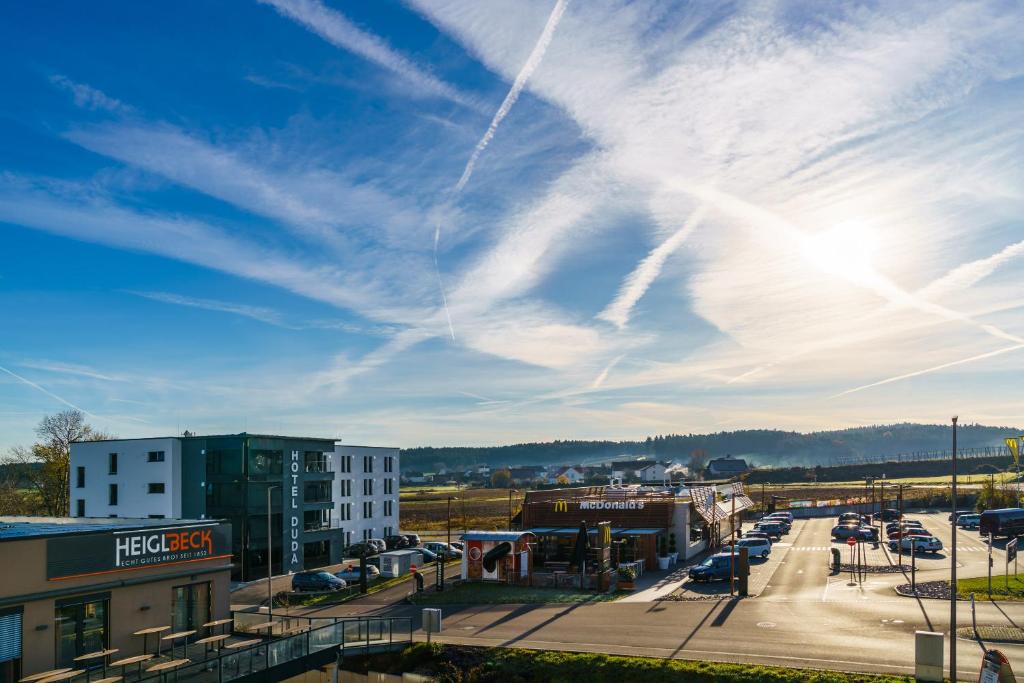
pixel 766 447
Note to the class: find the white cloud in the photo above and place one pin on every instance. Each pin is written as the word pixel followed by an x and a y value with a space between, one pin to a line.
pixel 260 313
pixel 337 29
pixel 88 97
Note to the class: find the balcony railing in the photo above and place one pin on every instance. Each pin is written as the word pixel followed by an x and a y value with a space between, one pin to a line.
pixel 349 636
pixel 323 525
pixel 319 465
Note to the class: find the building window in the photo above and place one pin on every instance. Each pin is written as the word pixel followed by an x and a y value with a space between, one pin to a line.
pixel 80 477
pixel 156 488
pixel 367 534
pixel 389 463
pixel 155 456
pixel 346 463
pixel 112 463
pixel 367 487
pixel 190 606
pixel 81 627
pixel 345 510
pixel 346 487
pixel 389 486
pixel 367 463
pixel 387 508
pixel 317 492
pixel 80 507
pixel 368 509
pixel 113 495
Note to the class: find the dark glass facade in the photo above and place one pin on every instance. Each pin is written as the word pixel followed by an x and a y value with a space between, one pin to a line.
pixel 237 471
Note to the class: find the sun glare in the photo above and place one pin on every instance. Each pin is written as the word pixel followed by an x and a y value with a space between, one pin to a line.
pixel 845 250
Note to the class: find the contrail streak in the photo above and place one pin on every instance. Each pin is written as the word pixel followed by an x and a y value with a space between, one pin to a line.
pixel 934 368
pixel 599 380
pixel 536 55
pixel 48 393
pixel 637 283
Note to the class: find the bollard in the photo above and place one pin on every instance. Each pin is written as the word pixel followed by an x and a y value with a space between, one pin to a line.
pixel 928 656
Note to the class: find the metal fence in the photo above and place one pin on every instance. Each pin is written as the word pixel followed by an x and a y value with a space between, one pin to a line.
pixel 923 456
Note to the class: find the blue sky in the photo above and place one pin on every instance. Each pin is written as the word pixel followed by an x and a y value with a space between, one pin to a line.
pixel 463 222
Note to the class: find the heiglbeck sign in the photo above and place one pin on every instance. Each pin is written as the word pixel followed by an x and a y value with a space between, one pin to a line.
pixel 69 557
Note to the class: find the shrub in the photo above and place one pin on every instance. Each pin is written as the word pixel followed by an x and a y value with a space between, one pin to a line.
pixel 627 574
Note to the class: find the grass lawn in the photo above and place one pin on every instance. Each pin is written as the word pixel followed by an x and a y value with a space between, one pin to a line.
pixel 495 593
pixel 451 663
pixel 979 586
pixel 425 508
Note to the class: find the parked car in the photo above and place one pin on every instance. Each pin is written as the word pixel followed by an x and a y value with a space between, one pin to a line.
pixel 788 516
pixel 842 532
pixel 458 545
pixel 786 524
pixel 758 534
pixel 316 581
pixel 774 529
pixel 428 555
pixel 968 521
pixel 714 568
pixel 850 517
pixel 396 542
pixel 1007 522
pixel 360 549
pixel 921 544
pixel 378 543
pixel 912 531
pixel 956 515
pixel 351 573
pixel 442 549
pixel 907 524
pixel 756 547
pixel 412 539
pixel 889 515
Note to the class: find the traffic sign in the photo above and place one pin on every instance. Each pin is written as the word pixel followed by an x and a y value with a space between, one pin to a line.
pixel 851 541
pixel 1011 551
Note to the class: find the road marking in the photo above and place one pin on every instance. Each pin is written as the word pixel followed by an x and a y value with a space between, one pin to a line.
pixel 766 624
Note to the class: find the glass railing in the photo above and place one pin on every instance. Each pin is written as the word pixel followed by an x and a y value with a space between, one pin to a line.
pixel 307 635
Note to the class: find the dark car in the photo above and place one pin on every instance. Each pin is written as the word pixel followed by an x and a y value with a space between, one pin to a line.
pixel 412 539
pixel 889 515
pixel 428 555
pixel 774 530
pixel 788 516
pixel 1007 522
pixel 714 568
pixel 842 532
pixel 378 543
pixel 396 542
pixel 316 581
pixel 850 518
pixel 360 549
pixel 954 515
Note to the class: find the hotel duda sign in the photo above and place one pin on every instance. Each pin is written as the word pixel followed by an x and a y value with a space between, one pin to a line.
pixel 116 551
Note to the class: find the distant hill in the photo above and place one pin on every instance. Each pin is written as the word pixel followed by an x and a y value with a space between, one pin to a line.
pixel 765 447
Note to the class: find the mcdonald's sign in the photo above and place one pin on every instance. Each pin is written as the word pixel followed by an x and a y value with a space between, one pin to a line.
pixel 561 506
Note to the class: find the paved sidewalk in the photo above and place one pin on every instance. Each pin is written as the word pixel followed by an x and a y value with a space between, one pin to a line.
pixel 653 585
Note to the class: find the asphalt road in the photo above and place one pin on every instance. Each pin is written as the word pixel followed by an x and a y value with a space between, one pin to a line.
pixel 805 616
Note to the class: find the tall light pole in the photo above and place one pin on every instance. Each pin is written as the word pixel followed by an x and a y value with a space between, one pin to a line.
pixel 952 572
pixel 270 558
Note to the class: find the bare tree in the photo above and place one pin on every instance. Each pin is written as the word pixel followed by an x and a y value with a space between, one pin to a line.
pixel 48 462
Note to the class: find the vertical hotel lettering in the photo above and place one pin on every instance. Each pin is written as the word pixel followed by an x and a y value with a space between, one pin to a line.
pixel 294 540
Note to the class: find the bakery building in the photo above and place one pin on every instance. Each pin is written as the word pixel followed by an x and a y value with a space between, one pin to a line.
pixel 73 586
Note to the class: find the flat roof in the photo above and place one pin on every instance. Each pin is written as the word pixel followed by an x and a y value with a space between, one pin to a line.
pixel 21 528
pixel 223 436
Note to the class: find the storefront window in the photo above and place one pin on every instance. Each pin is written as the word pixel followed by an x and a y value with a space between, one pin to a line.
pixel 190 606
pixel 81 627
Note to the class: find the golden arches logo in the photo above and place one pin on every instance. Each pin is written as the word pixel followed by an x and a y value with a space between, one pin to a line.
pixel 561 506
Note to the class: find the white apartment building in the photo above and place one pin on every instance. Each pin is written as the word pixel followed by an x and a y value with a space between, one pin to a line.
pixel 323 495
pixel 366 491
pixel 126 478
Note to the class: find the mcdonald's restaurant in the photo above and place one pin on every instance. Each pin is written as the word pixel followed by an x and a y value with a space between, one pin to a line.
pixel 647 523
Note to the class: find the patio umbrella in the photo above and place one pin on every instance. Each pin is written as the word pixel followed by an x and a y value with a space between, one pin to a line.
pixel 579 553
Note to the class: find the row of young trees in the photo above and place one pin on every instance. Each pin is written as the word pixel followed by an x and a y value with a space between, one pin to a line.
pixel 37 479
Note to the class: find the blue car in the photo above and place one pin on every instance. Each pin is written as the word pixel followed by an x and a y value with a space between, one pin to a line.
pixel 714 568
pixel 316 581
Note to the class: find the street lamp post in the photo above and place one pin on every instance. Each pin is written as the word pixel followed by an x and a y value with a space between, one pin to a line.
pixel 270 557
pixel 952 571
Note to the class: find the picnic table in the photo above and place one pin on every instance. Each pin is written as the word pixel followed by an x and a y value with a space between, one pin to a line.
pixel 44 674
pixel 208 641
pixel 146 632
pixel 173 637
pixel 217 622
pixel 128 661
pixel 163 667
pixel 63 676
pixel 101 655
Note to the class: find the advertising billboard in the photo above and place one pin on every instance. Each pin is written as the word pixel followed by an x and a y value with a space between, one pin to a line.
pixel 69 557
